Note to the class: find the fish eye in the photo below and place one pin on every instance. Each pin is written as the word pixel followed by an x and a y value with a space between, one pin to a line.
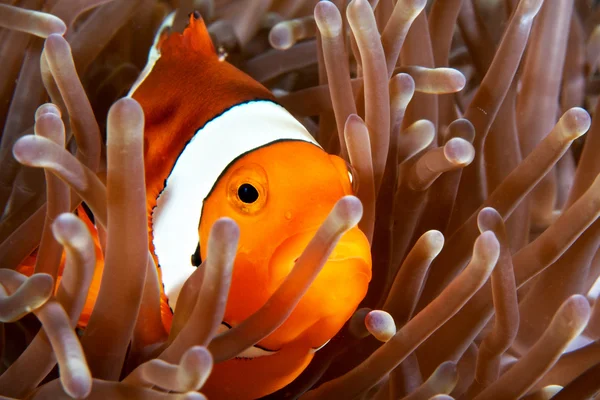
pixel 247 189
pixel 247 193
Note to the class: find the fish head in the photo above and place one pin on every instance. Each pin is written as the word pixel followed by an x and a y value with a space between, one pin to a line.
pixel 279 195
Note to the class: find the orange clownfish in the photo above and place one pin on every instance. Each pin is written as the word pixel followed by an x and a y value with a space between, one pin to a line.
pixel 217 144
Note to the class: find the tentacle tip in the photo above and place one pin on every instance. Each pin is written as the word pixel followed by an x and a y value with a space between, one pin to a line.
pixel 126 112
pixel 353 122
pixel 59 28
pixel 47 108
pixel 427 124
pixel 550 391
pixel 403 81
pixel 348 211
pixel 50 126
pixel 280 37
pixel 62 224
pixel 458 79
pixel 578 301
pixel 459 151
pixel 328 19
pixel 447 367
pixel 357 9
pixel 487 218
pixel 487 248
pixel 435 241
pixel 576 121
pixel 24 149
pixel 424 132
pixel 426 129
pixel 198 356
pixel 441 397
pixel 127 104
pixel 43 283
pixel 381 325
pixel 226 228
pixel 462 128
pixel 55 41
pixel 574 314
pixel 68 228
pixel 193 396
pixel 79 384
pixel 402 89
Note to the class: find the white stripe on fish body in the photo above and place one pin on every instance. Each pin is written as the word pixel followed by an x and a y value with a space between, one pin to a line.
pixel 176 217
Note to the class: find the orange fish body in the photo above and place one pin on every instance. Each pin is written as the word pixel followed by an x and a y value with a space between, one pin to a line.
pixel 218 145
pixel 27 267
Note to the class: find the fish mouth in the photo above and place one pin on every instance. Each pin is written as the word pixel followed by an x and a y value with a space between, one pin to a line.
pixel 332 296
pixel 353 245
pixel 257 351
pixel 327 304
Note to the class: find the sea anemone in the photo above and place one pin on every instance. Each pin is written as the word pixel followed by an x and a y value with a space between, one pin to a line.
pixel 463 121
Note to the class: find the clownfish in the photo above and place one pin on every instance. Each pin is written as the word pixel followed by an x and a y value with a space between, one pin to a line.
pixel 217 144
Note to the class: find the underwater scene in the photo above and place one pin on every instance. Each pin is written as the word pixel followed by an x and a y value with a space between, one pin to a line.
pixel 300 199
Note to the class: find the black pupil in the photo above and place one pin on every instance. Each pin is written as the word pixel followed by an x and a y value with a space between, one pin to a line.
pixel 247 193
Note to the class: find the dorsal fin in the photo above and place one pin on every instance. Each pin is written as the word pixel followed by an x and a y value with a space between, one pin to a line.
pixel 194 42
pixel 195 38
